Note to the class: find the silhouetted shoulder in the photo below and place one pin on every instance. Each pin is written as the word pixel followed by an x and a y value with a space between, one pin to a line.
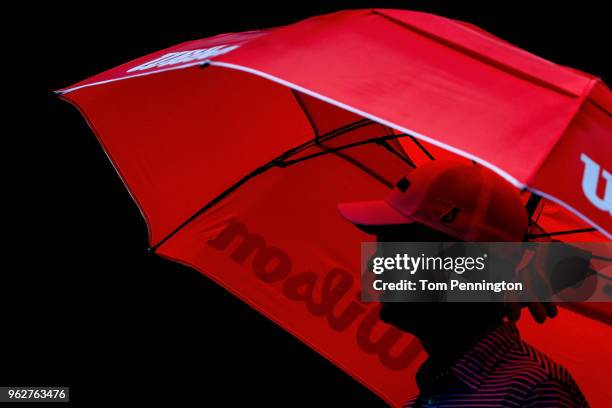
pixel 546 383
pixel 501 370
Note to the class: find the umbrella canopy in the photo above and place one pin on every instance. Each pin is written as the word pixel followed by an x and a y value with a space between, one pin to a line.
pixel 237 149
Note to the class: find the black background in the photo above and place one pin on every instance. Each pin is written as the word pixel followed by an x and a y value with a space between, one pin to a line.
pixel 83 303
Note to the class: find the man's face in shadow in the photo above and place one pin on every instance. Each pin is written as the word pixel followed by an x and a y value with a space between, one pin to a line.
pixel 427 317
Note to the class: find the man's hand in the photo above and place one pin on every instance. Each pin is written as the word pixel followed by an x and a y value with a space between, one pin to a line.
pixel 531 268
pixel 540 311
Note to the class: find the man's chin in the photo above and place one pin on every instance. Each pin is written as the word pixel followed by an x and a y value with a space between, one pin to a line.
pixel 394 314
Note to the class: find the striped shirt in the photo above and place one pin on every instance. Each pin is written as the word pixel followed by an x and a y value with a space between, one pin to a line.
pixel 501 370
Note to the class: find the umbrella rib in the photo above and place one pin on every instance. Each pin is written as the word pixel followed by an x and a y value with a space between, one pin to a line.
pixel 214 201
pixel 550 234
pixel 416 142
pixel 361 166
pixel 602 258
pixel 274 162
pixel 423 149
pixel 327 136
pixel 346 128
pixel 378 140
pixel 383 143
pixel 302 105
pixel 606 277
pixel 532 204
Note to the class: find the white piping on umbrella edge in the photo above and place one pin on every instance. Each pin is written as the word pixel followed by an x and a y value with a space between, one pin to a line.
pixel 359 112
pixel 418 135
pixel 191 64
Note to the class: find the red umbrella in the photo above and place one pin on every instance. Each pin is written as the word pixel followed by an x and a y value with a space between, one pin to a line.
pixel 237 149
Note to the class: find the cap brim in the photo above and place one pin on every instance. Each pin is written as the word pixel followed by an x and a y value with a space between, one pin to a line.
pixel 371 213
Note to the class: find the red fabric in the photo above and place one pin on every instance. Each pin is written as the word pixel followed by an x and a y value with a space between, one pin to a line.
pixel 180 136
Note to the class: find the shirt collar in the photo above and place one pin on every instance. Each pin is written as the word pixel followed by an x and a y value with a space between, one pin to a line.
pixel 474 365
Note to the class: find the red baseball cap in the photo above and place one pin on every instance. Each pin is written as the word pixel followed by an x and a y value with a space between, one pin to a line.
pixel 466 201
